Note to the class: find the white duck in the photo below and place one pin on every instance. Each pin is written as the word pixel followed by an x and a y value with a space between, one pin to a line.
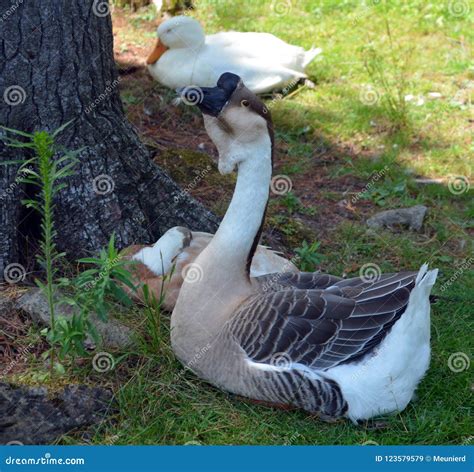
pixel 351 348
pixel 185 56
pixel 164 265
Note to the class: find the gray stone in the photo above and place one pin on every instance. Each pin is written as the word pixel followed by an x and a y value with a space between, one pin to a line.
pixel 407 217
pixel 114 334
pixel 6 303
pixel 36 416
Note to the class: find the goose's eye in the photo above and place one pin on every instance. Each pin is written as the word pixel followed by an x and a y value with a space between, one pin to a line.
pixel 245 103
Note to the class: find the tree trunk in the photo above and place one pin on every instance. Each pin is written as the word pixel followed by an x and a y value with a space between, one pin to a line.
pixel 57 65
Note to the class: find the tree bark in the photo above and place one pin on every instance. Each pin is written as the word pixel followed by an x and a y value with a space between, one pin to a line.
pixel 57 65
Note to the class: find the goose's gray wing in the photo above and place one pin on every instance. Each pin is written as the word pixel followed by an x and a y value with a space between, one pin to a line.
pixel 291 280
pixel 321 328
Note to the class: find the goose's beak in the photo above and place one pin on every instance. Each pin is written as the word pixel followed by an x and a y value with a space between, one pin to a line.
pixel 159 50
pixel 211 100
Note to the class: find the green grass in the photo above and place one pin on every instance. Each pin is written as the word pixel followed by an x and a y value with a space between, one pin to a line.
pixel 430 42
pixel 161 403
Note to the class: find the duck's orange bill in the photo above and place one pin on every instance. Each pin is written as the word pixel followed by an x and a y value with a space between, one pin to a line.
pixel 159 50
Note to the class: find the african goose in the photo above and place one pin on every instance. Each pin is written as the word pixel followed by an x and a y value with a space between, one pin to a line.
pixel 184 56
pixel 163 265
pixel 339 348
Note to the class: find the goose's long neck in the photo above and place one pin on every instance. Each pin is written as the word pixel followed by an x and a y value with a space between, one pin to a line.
pixel 237 236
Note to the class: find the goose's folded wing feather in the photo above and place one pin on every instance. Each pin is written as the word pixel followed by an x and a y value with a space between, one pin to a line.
pixel 291 280
pixel 321 328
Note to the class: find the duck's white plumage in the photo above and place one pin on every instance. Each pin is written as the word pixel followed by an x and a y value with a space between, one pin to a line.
pixel 161 265
pixel 185 56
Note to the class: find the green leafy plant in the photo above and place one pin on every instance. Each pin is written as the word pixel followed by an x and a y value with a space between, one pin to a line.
pixel 308 256
pixel 46 173
pixel 69 335
pixel 93 290
pixel 382 194
pixel 152 313
pixel 285 224
pixel 293 204
pixel 102 282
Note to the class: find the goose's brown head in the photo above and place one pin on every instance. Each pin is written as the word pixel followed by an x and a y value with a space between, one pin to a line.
pixel 235 119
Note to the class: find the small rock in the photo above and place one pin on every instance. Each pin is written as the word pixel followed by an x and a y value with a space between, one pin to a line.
pixel 34 416
pixel 409 217
pixel 114 334
pixel 6 303
pixel 151 107
pixel 418 100
pixel 434 95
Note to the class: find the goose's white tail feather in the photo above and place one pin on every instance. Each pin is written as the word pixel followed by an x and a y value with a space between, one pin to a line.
pixel 310 55
pixel 426 278
pixel 386 382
